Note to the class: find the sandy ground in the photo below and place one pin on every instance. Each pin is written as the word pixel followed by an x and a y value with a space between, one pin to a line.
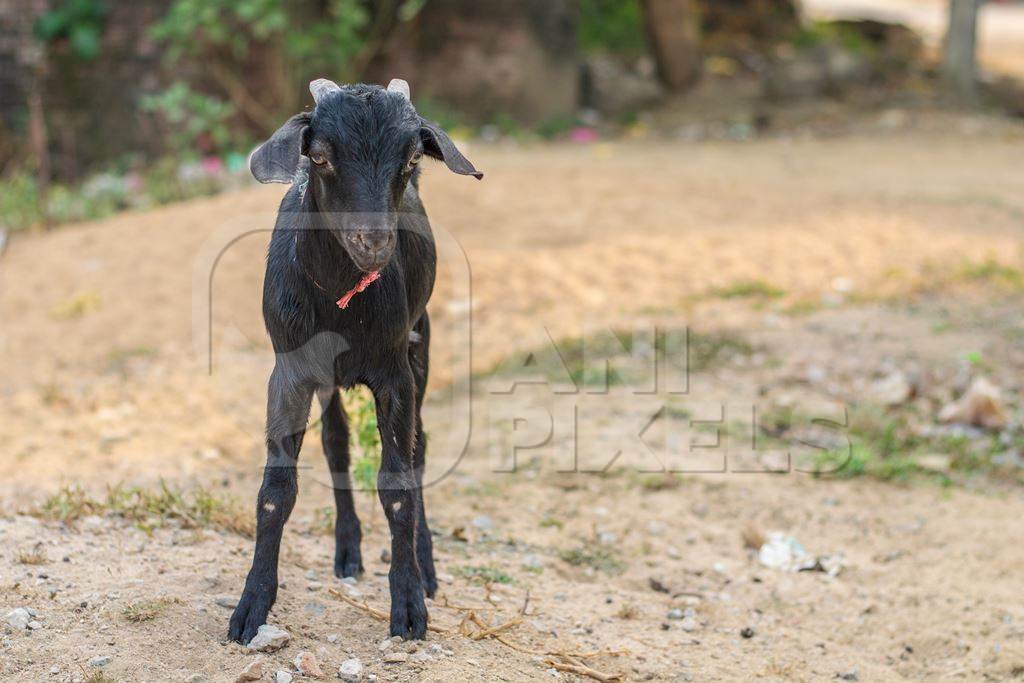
pixel 106 379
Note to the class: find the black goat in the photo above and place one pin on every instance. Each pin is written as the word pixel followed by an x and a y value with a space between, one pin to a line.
pixel 352 221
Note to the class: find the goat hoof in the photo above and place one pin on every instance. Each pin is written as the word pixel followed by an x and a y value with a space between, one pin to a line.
pixel 408 609
pixel 348 561
pixel 249 615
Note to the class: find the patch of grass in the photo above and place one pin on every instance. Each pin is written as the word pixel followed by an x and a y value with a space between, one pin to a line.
pixel 992 272
pixel 362 417
pixel 485 574
pixel 662 481
pixel 885 445
pixel 628 611
pixel 119 358
pixel 99 677
pixel 150 508
pixel 145 610
pixel 76 306
pixel 749 289
pixel 551 523
pixel 34 557
pixel 601 559
pixel 622 357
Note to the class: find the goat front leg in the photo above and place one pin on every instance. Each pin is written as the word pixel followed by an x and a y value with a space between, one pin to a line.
pixel 397 488
pixel 348 560
pixel 288 408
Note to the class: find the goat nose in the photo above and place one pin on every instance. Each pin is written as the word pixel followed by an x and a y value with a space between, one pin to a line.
pixel 372 239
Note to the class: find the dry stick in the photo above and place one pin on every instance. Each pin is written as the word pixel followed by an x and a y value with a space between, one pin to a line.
pixel 492 632
pixel 376 613
pixel 487 632
pixel 583 670
pixel 526 603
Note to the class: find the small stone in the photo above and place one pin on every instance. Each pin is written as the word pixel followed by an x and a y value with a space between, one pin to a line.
pixel 688 624
pixel 252 672
pixel 747 632
pixel 483 522
pixel 311 575
pixel 332 638
pixel 100 660
pixel 269 638
pixel 226 601
pixel 197 678
pixel 282 676
pixel 34 625
pixel 675 613
pixel 306 664
pixel 396 657
pixel 385 645
pixel 350 670
pixel 532 562
pixel 314 585
pixel 420 657
pixel 385 556
pixel 435 649
pixel 850 675
pixel 18 618
pixel 350 581
pixel 54 670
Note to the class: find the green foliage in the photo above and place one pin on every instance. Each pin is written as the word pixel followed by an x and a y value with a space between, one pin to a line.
pixel 485 575
pixel 596 557
pixel 192 115
pixel 750 289
pixel 80 22
pixel 19 202
pixel 149 508
pixel 614 26
pixel 362 418
pixel 311 42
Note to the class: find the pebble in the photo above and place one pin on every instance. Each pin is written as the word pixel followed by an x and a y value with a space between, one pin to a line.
pixel 420 657
pixel 483 522
pixel 282 676
pixel 226 601
pixel 314 585
pixel 306 664
pixel 688 624
pixel 269 638
pixel 100 660
pixel 252 672
pixel 675 613
pixel 18 618
pixel 850 675
pixel 396 657
pixel 332 638
pixel 435 649
pixel 532 562
pixel 34 625
pixel 747 632
pixel 385 556
pixel 350 670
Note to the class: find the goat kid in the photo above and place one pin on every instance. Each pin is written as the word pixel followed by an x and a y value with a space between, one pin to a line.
pixel 350 269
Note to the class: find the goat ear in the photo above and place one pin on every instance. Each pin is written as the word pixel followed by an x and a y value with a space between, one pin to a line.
pixel 277 159
pixel 437 144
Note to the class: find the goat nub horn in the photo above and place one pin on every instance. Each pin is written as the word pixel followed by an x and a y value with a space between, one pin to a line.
pixel 321 87
pixel 401 87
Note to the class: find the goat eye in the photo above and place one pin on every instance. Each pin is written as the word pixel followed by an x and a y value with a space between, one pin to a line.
pixel 414 160
pixel 317 159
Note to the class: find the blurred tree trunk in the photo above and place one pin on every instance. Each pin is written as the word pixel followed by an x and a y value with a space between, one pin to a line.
pixel 673 28
pixel 959 62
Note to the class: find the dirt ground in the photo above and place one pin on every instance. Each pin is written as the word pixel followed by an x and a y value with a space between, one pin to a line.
pixel 834 261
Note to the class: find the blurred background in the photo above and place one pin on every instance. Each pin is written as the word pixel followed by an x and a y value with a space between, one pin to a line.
pixel 823 199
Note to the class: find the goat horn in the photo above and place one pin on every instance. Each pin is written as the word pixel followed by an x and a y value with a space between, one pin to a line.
pixel 321 87
pixel 401 87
